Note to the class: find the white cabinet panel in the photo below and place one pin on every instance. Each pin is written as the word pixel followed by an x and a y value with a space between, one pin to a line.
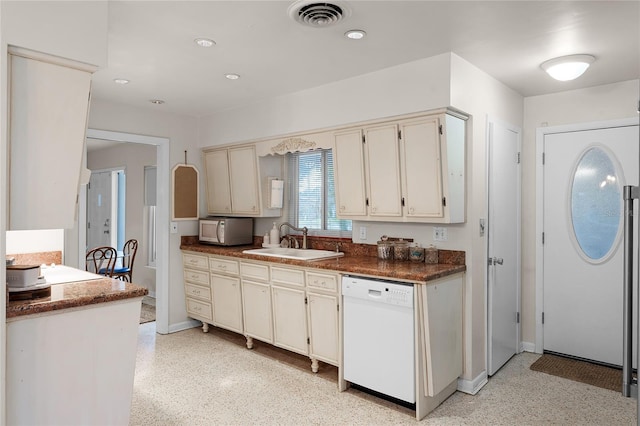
pixel 49 103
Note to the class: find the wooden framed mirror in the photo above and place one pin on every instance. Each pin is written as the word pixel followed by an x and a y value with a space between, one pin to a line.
pixel 186 196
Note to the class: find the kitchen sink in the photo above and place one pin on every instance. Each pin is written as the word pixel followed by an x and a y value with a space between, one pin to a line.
pixel 293 253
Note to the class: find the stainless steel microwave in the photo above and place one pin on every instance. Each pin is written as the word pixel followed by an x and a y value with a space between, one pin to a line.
pixel 226 231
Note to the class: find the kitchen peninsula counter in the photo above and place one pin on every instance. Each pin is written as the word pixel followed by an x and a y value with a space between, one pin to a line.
pixel 71 355
pixel 76 294
pixel 352 263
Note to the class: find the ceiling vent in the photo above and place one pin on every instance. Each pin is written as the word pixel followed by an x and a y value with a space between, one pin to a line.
pixel 318 14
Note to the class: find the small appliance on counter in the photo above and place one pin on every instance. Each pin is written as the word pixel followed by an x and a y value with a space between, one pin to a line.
pixel 226 231
pixel 26 282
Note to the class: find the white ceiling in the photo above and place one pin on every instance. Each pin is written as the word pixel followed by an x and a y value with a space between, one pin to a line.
pixel 151 44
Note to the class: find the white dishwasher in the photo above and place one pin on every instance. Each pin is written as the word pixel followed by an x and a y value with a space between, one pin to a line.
pixel 378 336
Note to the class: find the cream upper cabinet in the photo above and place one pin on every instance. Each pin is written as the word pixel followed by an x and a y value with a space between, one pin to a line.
pixel 422 171
pixel 349 172
pixel 216 165
pixel 410 170
pixel 382 164
pixel 49 104
pixel 233 181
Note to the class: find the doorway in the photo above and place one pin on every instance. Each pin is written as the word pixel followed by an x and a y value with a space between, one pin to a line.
pixel 106 207
pixel 582 170
pixel 162 216
pixel 503 244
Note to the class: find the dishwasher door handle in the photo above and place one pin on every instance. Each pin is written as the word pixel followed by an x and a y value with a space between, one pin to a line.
pixel 375 293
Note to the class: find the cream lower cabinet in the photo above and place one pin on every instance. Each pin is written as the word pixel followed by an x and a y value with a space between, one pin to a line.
pixel 289 309
pixel 197 288
pixel 227 302
pixel 256 302
pixel 323 313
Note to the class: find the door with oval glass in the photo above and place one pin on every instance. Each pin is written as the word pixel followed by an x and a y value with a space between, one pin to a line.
pixel 584 173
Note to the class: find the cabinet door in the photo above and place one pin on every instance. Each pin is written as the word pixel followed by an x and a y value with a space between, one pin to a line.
pixel 243 175
pixel 48 111
pixel 289 319
pixel 227 302
pixel 216 167
pixel 323 327
pixel 422 168
pixel 349 174
pixel 256 308
pixel 382 159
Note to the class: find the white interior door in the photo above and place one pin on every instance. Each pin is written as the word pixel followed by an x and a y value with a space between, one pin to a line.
pixel 503 270
pixel 584 173
pixel 99 208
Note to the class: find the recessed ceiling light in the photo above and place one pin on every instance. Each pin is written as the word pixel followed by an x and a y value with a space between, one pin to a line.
pixel 232 76
pixel 355 34
pixel 157 101
pixel 120 80
pixel 567 68
pixel 204 42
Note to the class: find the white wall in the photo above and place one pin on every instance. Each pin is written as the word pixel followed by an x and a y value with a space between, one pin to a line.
pixel 132 158
pixel 181 131
pixel 440 81
pixel 600 103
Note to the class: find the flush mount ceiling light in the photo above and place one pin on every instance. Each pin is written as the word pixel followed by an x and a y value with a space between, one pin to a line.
pixel 120 81
pixel 204 42
pixel 567 68
pixel 232 76
pixel 355 34
pixel 318 14
pixel 157 101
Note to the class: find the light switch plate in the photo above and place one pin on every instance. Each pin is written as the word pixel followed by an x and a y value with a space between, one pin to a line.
pixel 363 232
pixel 174 227
pixel 440 233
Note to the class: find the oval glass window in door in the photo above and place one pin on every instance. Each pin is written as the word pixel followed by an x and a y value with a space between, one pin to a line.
pixel 596 203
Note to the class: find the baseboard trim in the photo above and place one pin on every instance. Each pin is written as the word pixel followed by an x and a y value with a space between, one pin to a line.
pixel 527 347
pixel 185 325
pixel 473 386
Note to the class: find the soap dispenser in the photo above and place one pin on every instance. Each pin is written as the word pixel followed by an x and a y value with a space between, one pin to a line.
pixel 274 237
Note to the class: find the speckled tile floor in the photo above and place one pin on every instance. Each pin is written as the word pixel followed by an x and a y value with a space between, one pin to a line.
pixel 192 378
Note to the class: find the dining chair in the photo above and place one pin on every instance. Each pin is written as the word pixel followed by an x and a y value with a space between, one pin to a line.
pixel 101 260
pixel 125 271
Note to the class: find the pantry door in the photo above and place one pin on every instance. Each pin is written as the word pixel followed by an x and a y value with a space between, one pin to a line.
pixel 503 239
pixel 584 172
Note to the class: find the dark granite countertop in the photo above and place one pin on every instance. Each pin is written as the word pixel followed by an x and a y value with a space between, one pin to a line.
pixel 350 263
pixel 76 294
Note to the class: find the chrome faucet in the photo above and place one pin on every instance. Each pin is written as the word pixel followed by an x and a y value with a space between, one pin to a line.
pixel 304 231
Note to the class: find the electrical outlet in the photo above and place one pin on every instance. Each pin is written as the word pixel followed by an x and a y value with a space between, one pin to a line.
pixel 363 232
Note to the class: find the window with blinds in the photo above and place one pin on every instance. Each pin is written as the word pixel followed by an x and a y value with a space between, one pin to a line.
pixel 312 199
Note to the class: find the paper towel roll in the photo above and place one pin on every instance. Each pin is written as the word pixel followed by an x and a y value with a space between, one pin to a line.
pixel 277 194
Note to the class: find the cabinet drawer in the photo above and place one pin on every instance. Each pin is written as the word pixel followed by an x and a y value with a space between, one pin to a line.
pixel 197 291
pixel 287 276
pixel 195 261
pixel 322 281
pixel 254 271
pixel 198 277
pixel 199 309
pixel 224 265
